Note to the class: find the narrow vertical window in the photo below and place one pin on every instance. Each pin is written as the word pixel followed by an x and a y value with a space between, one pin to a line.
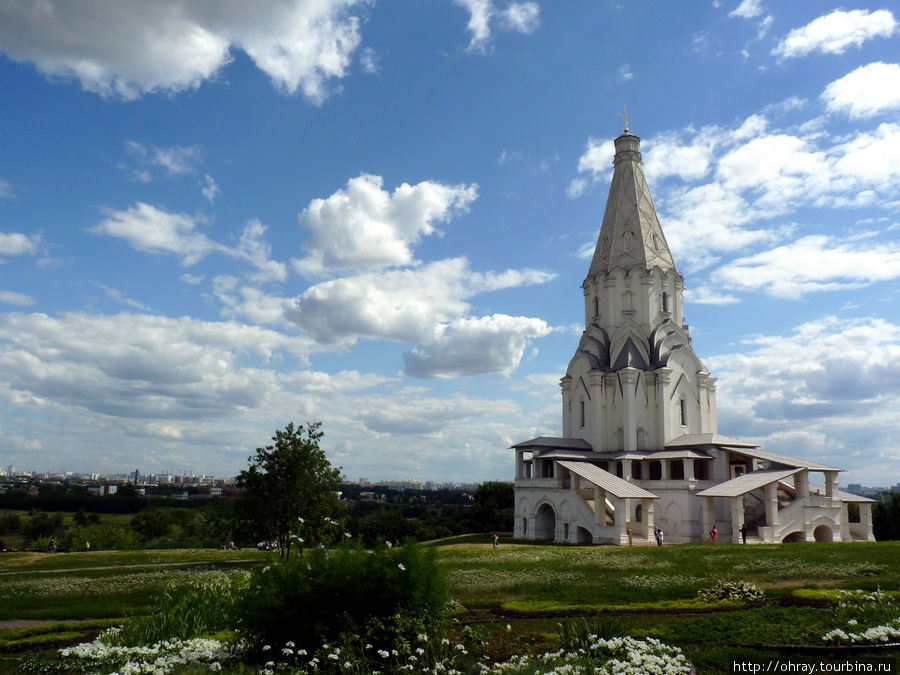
pixel 683 413
pixel 596 306
pixel 582 413
pixel 665 301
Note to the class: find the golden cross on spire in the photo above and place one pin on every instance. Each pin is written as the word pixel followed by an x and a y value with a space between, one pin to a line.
pixel 625 116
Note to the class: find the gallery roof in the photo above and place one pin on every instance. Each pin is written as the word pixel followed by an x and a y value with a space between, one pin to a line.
pixel 746 483
pixel 604 479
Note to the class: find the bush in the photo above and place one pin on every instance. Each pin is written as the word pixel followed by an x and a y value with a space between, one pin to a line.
pixel 732 590
pixel 386 597
pixel 184 612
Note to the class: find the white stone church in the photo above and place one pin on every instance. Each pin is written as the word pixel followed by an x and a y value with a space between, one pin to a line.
pixel 640 446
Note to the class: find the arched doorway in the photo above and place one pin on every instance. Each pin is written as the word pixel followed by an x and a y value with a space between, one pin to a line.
pixel 584 537
pixel 545 523
pixel 823 533
pixel 794 537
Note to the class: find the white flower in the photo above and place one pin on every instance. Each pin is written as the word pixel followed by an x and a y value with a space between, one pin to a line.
pixel 299 519
pixel 266 569
pixel 266 648
pixel 402 567
pixel 348 535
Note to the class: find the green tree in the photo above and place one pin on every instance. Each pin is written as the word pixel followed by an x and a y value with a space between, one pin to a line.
pixel 290 486
pixel 492 507
pixel 886 517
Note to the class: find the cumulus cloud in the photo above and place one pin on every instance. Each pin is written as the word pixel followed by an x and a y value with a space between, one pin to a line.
pixel 15 298
pixel 139 366
pixel 812 263
pixel 720 189
pixel 364 227
pixel 833 33
pixel 404 305
pixel 132 48
pixel 748 9
pixel 16 243
pixel 153 230
pixel 867 91
pixel 522 17
pixel 839 379
pixel 147 228
pixel 474 346
pixel 6 191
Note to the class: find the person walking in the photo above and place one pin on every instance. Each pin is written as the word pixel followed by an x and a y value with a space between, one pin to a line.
pixel 744 532
pixel 714 534
pixel 495 540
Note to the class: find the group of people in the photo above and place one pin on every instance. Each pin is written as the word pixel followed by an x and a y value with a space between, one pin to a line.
pixel 714 533
pixel 660 535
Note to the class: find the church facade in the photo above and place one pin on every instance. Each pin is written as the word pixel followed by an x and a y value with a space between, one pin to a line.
pixel 640 448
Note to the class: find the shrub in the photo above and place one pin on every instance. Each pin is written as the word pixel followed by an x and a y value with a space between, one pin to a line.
pixel 581 633
pixel 387 597
pixel 732 590
pixel 184 612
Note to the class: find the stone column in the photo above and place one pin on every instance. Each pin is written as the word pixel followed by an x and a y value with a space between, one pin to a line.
pixel 599 507
pixel 709 516
pixel 629 426
pixel 621 519
pixel 520 464
pixel 865 520
pixel 737 517
pixel 801 484
pixel 772 505
pixel 648 524
pixel 665 469
pixel 626 469
pixel 831 484
pixel 688 468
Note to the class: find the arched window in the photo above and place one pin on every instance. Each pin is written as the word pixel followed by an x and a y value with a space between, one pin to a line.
pixel 637 513
pixel 626 238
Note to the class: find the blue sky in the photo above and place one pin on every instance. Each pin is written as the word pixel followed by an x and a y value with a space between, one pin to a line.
pixel 218 218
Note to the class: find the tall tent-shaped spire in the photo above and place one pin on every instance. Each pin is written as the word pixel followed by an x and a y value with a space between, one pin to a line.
pixel 630 236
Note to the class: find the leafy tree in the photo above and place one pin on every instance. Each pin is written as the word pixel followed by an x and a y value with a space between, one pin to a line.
pixel 886 517
pixel 492 507
pixel 290 485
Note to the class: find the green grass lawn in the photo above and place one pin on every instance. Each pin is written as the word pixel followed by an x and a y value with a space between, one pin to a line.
pixel 651 591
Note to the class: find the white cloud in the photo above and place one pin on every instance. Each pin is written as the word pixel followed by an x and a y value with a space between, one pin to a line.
pixel 368 59
pixel 6 191
pixel 833 33
pixel 254 248
pixel 117 296
pixel 748 9
pixel 193 279
pixel 867 91
pixel 139 366
pixel 625 73
pixel 522 17
pixel 14 298
pixel 16 243
pixel 732 183
pixel 176 159
pixel 812 263
pixel 209 189
pixel 404 305
pixel 365 227
pixel 704 295
pixel 836 379
pixel 474 346
pixel 150 229
pixel 131 48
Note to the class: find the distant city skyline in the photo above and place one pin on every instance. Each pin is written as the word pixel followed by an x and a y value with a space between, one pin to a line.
pixel 378 215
